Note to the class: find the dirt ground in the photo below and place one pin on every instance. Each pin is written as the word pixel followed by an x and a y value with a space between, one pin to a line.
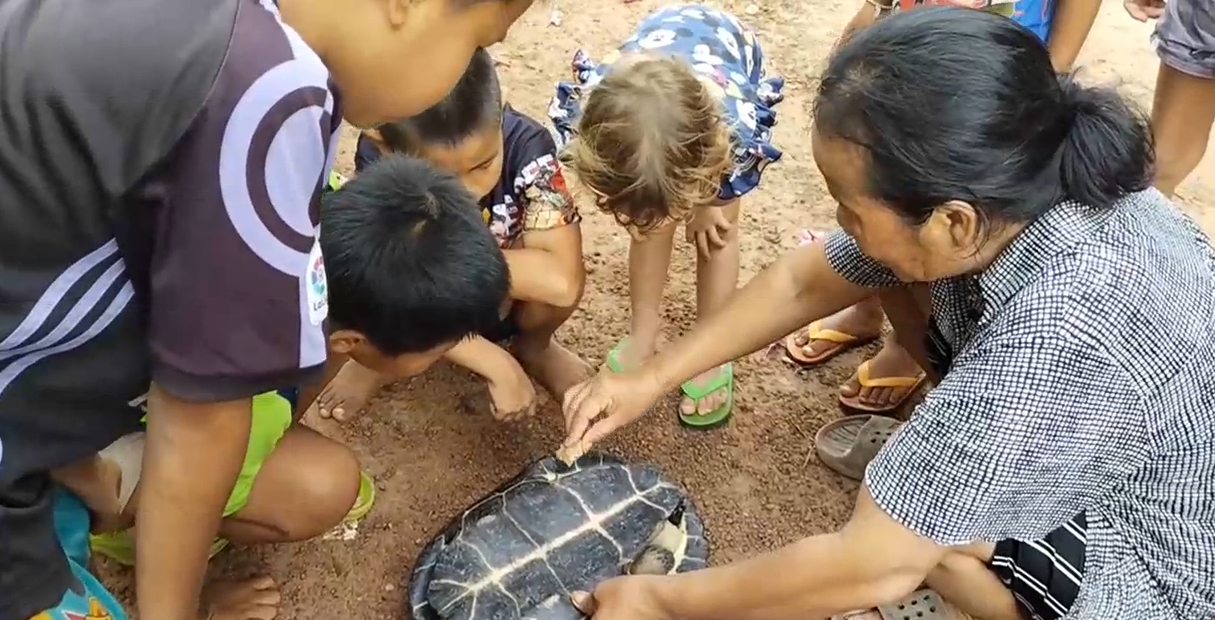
pixel 431 446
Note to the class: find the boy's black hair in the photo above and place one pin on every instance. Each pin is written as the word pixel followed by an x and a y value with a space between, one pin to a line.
pixel 473 105
pixel 410 263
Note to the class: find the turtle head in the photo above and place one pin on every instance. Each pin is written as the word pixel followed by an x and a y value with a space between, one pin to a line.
pixel 677 515
pixel 666 547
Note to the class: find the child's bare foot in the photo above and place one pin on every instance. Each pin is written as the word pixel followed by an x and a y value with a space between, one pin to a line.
pixel 349 392
pixel 711 402
pixel 892 376
pixel 555 368
pixel 250 599
pixel 862 322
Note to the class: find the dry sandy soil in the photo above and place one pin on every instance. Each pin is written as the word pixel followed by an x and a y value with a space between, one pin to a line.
pixel 431 446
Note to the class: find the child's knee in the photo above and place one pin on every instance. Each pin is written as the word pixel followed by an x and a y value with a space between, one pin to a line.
pixel 324 491
pixel 539 317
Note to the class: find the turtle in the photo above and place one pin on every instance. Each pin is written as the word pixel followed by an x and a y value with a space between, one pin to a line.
pixel 554 529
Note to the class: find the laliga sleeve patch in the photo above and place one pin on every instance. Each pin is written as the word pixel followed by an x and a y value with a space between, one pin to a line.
pixel 316 287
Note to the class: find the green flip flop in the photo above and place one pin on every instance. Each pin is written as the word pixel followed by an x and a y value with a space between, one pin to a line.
pixel 613 357
pixel 718 417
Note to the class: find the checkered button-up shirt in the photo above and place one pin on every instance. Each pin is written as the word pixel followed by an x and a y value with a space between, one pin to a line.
pixel 1082 380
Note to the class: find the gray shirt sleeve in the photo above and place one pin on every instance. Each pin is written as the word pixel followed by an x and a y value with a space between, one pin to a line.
pixel 238 290
pixel 854 265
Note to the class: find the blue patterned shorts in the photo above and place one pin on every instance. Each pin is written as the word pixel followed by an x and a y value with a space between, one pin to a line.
pixel 86 599
pixel 717 46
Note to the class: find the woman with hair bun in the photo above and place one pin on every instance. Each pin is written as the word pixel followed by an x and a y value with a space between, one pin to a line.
pixel 1063 465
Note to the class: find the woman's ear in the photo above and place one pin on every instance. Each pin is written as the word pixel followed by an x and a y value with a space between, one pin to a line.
pixel 954 228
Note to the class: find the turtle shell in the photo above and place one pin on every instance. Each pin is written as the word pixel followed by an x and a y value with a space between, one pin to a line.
pixel 554 529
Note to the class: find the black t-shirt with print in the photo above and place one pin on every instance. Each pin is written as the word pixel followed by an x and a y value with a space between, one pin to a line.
pixel 160 171
pixel 530 194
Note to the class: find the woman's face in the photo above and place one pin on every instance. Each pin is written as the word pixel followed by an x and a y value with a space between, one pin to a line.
pixel 941 247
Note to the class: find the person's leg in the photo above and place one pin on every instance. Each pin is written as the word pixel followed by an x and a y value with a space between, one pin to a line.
pixel 307 485
pixel 649 261
pixel 848 444
pixel 1182 113
pixel 554 367
pixel 1184 105
pixel 716 280
pixel 294 484
pixel 897 369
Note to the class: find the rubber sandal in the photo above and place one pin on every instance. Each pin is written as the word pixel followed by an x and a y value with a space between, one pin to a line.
pixel 697 391
pixel 919 605
pixel 613 356
pixel 909 384
pixel 814 331
pixel 848 444
pixel 365 500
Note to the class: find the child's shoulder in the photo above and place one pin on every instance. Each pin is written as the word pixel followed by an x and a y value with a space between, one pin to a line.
pixel 519 127
pixel 524 141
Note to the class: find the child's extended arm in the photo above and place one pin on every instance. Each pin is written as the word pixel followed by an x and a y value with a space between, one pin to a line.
pixel 548 268
pixel 1072 22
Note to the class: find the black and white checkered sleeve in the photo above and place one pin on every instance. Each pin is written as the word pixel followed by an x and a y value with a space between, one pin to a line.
pixel 855 266
pixel 1020 436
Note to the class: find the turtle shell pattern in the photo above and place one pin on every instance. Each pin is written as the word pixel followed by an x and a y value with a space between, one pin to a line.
pixel 554 529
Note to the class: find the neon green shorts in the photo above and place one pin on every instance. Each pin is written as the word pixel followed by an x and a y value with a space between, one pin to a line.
pixel 271 418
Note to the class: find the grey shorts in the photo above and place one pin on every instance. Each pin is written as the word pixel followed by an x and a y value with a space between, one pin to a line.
pixel 1185 37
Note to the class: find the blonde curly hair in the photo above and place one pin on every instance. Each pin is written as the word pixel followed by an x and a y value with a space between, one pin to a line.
pixel 652 142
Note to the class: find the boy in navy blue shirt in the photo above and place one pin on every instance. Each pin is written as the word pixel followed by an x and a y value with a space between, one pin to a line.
pixel 509 162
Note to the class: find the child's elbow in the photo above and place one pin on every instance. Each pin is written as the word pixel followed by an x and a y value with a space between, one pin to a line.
pixel 569 291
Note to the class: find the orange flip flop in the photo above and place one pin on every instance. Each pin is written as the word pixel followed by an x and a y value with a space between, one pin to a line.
pixel 815 331
pixel 909 385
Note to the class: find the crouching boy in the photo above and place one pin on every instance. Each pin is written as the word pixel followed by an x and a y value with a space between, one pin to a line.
pixel 400 217
pixel 508 162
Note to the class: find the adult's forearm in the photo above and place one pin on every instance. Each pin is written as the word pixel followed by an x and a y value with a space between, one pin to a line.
pixel 815 577
pixel 540 276
pixel 799 288
pixel 194 453
pixel 1070 26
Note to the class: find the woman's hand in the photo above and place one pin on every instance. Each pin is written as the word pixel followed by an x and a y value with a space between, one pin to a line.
pixel 631 597
pixel 708 229
pixel 619 398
